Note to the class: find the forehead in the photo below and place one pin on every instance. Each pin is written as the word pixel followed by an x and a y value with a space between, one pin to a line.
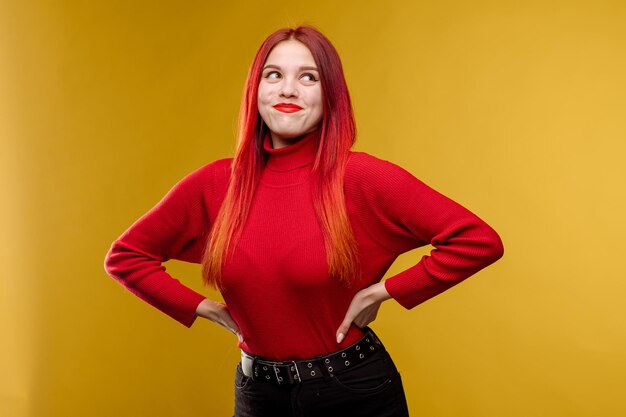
pixel 290 52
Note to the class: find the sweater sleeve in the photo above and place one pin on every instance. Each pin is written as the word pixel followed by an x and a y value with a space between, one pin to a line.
pixel 175 228
pixel 412 214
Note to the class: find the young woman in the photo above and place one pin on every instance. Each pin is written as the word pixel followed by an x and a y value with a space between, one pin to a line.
pixel 296 231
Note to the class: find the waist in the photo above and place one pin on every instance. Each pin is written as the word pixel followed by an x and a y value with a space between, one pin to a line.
pixel 293 343
pixel 289 372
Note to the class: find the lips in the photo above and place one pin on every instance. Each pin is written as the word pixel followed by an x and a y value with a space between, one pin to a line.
pixel 287 107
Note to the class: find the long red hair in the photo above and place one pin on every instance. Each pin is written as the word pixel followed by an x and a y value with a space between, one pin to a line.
pixel 338 133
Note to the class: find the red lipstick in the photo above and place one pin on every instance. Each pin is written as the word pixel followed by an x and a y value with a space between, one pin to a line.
pixel 287 107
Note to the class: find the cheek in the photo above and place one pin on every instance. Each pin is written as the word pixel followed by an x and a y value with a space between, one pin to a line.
pixel 262 103
pixel 261 96
pixel 265 93
pixel 319 106
pixel 317 100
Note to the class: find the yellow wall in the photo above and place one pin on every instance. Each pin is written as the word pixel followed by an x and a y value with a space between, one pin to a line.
pixel 514 109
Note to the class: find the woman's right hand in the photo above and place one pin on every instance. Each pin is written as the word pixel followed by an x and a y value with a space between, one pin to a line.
pixel 218 312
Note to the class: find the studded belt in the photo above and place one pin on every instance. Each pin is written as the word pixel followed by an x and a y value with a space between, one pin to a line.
pixel 293 372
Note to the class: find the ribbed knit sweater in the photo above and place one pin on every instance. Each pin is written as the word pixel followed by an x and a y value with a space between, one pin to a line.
pixel 276 285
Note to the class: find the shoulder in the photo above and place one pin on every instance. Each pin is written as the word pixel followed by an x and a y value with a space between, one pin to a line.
pixel 214 172
pixel 373 172
pixel 380 182
pixel 218 167
pixel 204 180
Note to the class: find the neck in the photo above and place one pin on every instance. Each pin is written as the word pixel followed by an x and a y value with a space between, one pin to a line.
pixel 280 142
pixel 301 152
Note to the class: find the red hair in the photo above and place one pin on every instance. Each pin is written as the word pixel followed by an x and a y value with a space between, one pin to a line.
pixel 338 133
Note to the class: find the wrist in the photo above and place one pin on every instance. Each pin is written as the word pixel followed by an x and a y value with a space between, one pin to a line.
pixel 207 308
pixel 379 293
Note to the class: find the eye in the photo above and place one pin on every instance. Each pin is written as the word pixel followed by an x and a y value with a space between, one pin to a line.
pixel 272 75
pixel 309 77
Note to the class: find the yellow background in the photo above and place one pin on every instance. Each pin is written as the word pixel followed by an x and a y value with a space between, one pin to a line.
pixel 514 109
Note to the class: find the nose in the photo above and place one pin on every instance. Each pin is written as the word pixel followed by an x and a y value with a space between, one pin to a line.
pixel 289 88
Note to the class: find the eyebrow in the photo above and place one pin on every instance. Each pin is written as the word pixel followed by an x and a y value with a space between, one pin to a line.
pixel 301 68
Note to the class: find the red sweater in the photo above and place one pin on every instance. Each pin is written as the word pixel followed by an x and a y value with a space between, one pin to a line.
pixel 276 286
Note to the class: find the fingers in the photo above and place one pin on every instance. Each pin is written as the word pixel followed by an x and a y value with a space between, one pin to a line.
pixel 226 320
pixel 235 330
pixel 354 309
pixel 343 328
pixel 232 326
pixel 218 313
pixel 230 323
pixel 361 312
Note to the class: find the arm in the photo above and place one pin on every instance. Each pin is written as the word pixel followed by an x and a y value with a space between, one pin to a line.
pixel 413 214
pixel 403 213
pixel 173 229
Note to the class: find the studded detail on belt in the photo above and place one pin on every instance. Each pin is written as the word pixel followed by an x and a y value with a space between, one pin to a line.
pixel 292 372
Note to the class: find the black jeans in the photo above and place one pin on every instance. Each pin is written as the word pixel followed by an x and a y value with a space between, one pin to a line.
pixel 371 389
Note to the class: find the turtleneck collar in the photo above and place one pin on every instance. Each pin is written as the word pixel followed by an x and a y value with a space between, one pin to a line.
pixel 296 155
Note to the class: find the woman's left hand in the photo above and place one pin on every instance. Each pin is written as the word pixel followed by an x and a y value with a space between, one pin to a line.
pixel 363 308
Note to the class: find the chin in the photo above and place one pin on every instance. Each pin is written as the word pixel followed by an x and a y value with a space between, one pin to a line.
pixel 290 134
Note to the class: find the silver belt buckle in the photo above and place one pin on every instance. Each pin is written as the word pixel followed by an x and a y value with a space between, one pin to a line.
pixel 246 364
